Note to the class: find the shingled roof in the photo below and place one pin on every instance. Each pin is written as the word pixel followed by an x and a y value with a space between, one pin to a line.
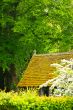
pixel 39 69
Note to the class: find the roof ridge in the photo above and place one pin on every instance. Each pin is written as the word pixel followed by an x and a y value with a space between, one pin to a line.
pixel 59 53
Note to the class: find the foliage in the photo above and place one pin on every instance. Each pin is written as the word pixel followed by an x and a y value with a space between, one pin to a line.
pixel 63 84
pixel 8 40
pixel 45 25
pixel 27 25
pixel 30 101
pixel 11 51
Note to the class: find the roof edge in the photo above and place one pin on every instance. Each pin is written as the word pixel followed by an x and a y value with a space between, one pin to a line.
pixel 53 54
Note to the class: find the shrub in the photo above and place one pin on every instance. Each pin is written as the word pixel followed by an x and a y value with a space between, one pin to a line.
pixel 62 85
pixel 30 101
pixel 64 82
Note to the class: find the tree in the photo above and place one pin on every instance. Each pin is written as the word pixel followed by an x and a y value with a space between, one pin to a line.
pixel 8 39
pixel 47 25
pixel 11 51
pixel 44 26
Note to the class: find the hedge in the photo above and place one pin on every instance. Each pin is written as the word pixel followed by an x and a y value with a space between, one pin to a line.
pixel 31 101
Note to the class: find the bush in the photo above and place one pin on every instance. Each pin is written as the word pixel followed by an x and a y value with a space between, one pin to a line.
pixel 64 82
pixel 62 85
pixel 30 101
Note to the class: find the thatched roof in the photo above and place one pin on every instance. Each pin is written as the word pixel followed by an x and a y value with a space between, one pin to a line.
pixel 39 69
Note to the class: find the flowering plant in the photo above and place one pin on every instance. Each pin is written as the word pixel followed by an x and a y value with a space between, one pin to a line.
pixel 63 84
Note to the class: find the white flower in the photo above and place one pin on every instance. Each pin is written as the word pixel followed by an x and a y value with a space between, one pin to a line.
pixel 70 79
pixel 63 84
pixel 56 65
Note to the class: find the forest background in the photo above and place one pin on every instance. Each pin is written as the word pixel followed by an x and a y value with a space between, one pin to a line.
pixel 27 25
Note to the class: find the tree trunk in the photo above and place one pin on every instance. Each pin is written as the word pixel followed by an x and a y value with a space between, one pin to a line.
pixel 1 79
pixel 10 78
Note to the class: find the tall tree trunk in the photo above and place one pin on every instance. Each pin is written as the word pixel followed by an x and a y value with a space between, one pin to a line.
pixel 10 78
pixel 1 79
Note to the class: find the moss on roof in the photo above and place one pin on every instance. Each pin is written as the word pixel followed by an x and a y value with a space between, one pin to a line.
pixel 39 69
